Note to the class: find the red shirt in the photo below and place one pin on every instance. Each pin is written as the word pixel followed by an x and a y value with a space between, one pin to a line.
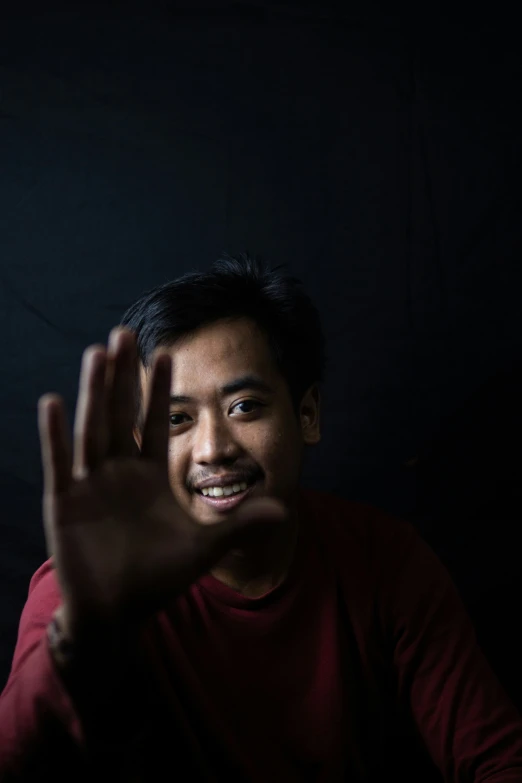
pixel 361 656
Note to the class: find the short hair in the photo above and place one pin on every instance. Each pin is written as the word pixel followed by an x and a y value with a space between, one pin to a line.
pixel 234 287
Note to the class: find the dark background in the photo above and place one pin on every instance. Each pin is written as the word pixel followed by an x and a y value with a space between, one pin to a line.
pixel 375 151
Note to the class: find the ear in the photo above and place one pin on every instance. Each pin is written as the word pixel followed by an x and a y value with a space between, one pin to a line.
pixel 309 416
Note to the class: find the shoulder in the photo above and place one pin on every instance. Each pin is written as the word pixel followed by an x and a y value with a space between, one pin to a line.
pixel 44 592
pixel 367 530
pixel 381 561
pixel 373 552
pixel 43 599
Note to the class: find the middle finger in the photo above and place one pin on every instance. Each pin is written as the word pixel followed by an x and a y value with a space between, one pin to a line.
pixel 120 379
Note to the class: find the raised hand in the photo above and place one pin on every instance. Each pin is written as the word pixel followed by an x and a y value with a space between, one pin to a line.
pixel 121 544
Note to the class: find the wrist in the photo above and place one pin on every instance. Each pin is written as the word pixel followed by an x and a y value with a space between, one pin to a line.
pixel 79 645
pixel 59 639
pixel 96 671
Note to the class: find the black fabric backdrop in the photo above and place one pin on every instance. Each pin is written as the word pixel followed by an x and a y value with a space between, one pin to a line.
pixel 376 153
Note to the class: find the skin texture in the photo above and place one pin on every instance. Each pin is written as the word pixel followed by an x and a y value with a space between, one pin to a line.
pixel 253 432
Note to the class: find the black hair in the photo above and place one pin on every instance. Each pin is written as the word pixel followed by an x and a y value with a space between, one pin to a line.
pixel 234 287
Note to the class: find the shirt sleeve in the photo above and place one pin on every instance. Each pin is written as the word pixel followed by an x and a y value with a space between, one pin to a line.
pixel 36 714
pixel 42 734
pixel 469 725
pixel 114 722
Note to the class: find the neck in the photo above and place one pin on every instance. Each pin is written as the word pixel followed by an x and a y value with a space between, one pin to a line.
pixel 254 572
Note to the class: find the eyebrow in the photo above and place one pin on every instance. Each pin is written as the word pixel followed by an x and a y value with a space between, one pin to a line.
pixel 232 387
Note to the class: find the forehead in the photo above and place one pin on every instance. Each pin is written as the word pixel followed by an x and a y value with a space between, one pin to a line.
pixel 219 353
pixel 226 342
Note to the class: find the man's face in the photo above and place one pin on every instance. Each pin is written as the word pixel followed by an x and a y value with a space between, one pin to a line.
pixel 232 421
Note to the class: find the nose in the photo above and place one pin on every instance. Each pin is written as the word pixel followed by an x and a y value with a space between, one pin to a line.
pixel 214 442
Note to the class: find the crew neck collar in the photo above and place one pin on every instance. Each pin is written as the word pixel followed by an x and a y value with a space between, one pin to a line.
pixel 230 597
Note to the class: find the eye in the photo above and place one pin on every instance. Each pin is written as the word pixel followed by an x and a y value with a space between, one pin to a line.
pixel 251 405
pixel 177 416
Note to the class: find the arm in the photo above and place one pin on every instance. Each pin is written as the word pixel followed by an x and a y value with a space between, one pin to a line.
pixel 469 725
pixel 57 722
pixel 36 715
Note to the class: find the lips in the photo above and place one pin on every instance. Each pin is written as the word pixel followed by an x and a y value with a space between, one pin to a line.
pixel 225 503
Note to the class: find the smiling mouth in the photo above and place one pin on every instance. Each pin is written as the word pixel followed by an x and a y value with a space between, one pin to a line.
pixel 230 500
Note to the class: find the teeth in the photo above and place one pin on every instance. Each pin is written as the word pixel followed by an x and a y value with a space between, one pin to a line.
pixel 216 492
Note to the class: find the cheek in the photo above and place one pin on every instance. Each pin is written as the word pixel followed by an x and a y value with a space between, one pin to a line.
pixel 176 463
pixel 272 439
pixel 281 447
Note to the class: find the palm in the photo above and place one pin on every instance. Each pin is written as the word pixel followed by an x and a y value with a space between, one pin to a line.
pixel 120 517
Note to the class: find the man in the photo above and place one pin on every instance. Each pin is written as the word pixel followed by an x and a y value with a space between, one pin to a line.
pixel 201 617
